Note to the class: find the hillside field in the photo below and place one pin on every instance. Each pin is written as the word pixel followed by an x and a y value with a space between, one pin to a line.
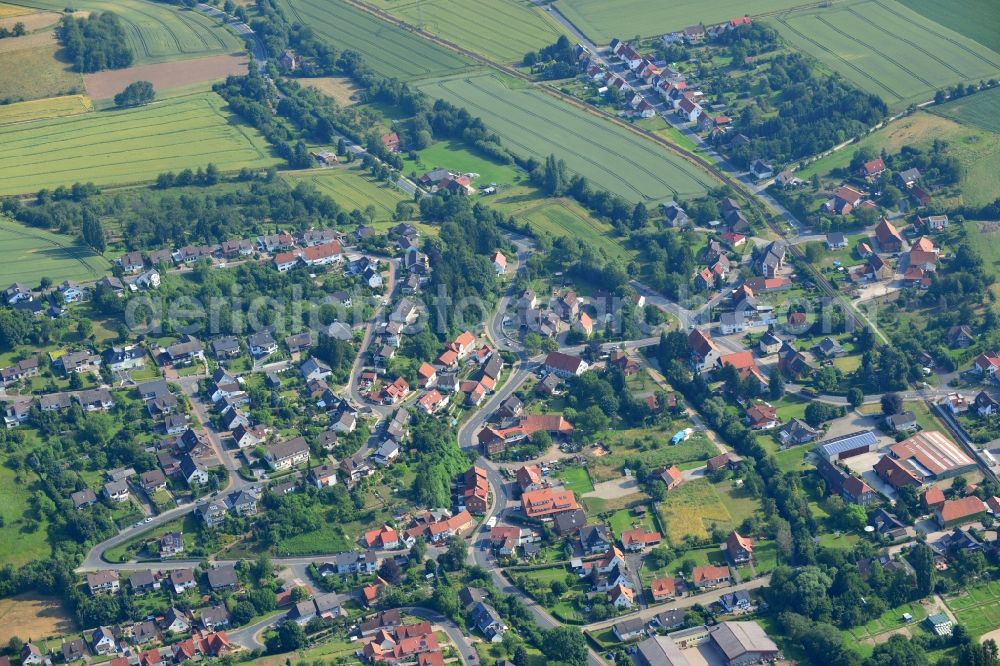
pixel 503 30
pixel 353 188
pixel 602 21
pixel 28 254
pixel 976 19
pixel 567 218
pixel 387 49
pixel 611 157
pixel 29 69
pixel 127 146
pixel 883 47
pixel 157 31
pixel 981 109
pixel 40 109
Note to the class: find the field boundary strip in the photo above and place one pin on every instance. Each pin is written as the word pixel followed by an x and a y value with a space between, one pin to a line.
pixel 927 28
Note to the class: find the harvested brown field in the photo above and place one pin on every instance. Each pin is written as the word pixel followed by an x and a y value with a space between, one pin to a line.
pixel 34 616
pixel 340 88
pixel 13 10
pixel 163 76
pixel 31 22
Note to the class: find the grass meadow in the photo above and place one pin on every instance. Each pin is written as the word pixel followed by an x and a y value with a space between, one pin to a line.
pixel 885 48
pixel 24 539
pixel 43 109
pixel 981 110
pixel 602 21
pixel 30 70
pixel 535 124
pixel 28 254
pixel 127 146
pixel 697 506
pixel 352 188
pixel 157 31
pixel 502 30
pixel 388 50
pixel 565 218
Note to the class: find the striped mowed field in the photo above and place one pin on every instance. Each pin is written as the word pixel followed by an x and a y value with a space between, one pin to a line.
pixel 352 188
pixel 885 48
pixel 502 30
pixel 28 254
pixel 127 146
pixel 532 123
pixel 157 31
pixel 387 49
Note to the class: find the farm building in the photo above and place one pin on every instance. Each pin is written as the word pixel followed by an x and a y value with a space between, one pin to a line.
pixel 931 455
pixel 847 446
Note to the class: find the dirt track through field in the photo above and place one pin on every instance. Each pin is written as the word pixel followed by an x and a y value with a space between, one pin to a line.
pixel 164 76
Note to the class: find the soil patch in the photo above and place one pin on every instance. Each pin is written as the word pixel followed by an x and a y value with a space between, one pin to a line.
pixel 34 616
pixel 163 76
pixel 32 22
pixel 616 488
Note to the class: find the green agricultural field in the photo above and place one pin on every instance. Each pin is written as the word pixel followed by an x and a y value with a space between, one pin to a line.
pixel 24 538
pixel 565 218
pixel 981 109
pixel 536 124
pixel 458 157
pixel 127 146
pixel 353 188
pixel 602 21
pixel 28 254
pixel 887 49
pixel 157 31
pixel 978 608
pixel 387 49
pixel 503 30
pixel 976 19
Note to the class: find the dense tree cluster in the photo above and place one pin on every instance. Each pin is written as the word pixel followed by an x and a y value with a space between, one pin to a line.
pixel 814 114
pixel 439 461
pixel 137 93
pixel 555 61
pixel 95 43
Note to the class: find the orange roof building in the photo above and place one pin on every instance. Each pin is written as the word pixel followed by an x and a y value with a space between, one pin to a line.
pixel 547 502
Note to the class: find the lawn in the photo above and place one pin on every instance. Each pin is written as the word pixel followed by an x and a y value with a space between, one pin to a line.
pixel 790 406
pixel 793 459
pixel 976 19
pixel 502 30
pixel 30 70
pixel 536 124
pixel 159 32
pixel 885 48
pixel 26 539
pixel 625 519
pixel 28 254
pixel 981 109
pixel 128 146
pixel 388 50
pixel 602 21
pixel 325 540
pixel 40 109
pixel 697 506
pixel 652 445
pixel 456 156
pixel 568 218
pixel 576 479
pixel 353 188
